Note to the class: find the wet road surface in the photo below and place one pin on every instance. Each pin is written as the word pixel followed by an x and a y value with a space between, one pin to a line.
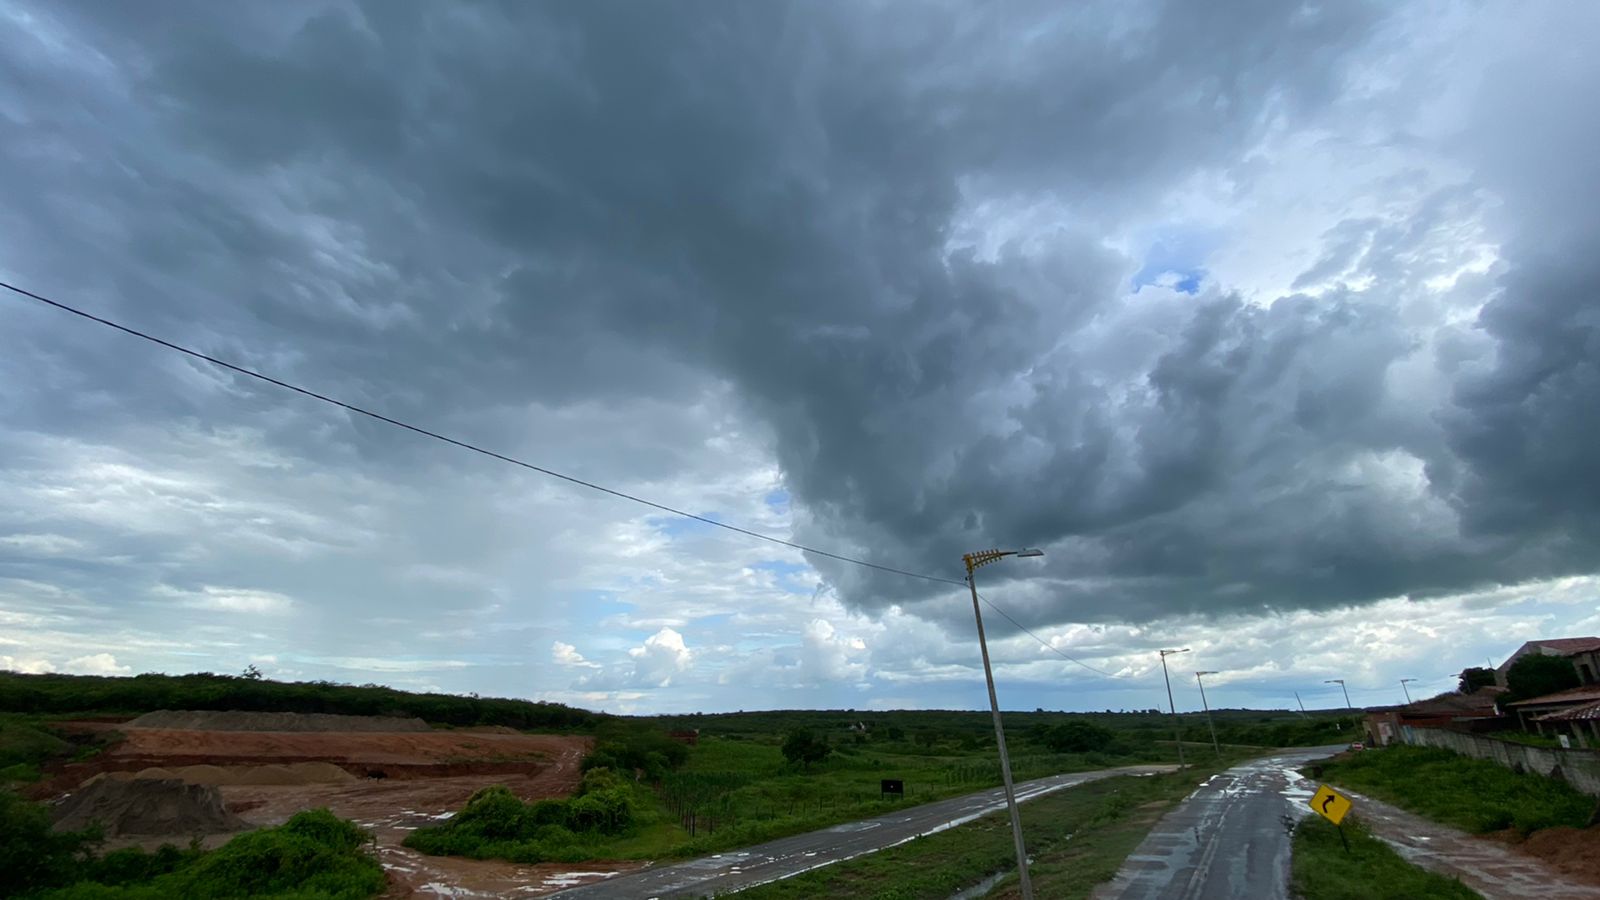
pixel 739 869
pixel 1228 840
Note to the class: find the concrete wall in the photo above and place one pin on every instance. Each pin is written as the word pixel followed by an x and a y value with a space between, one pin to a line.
pixel 1580 768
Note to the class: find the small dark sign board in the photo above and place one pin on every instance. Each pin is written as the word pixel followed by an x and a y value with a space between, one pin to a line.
pixel 894 786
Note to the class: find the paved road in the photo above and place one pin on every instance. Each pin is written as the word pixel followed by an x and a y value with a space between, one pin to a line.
pixel 1227 841
pixel 739 869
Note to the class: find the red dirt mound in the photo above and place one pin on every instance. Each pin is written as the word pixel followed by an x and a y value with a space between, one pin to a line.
pixel 1575 852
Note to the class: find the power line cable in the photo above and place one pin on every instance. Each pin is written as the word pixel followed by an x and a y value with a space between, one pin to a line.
pixel 351 407
pixel 465 445
pixel 1049 646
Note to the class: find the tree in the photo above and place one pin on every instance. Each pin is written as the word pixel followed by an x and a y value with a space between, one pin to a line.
pixel 1535 675
pixel 1077 737
pixel 1476 677
pixel 805 748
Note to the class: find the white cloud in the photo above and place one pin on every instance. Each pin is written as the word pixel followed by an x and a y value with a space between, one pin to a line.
pixel 568 655
pixel 663 656
pixel 25 665
pixel 96 664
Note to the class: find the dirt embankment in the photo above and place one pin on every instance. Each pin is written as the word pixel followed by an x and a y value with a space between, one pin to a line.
pixel 1574 852
pixel 237 720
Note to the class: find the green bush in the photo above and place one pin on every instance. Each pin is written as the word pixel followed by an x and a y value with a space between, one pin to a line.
pixel 624 747
pixel 33 857
pixel 495 824
pixel 313 854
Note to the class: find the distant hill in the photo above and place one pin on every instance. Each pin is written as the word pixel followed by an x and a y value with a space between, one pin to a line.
pixel 138 694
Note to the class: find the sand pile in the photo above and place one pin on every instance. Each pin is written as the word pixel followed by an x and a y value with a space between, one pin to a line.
pixel 147 807
pixel 236 720
pixel 287 774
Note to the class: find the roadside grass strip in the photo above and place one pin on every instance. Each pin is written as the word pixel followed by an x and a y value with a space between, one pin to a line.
pixel 1322 870
pixel 1077 838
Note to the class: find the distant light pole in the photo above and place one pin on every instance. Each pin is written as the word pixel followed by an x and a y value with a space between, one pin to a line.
pixel 1406 689
pixel 1209 724
pixel 1340 683
pixel 973 561
pixel 1176 732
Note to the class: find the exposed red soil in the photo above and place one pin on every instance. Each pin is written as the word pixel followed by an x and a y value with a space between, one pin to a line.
pixel 428 776
pixel 1574 852
pixel 397 755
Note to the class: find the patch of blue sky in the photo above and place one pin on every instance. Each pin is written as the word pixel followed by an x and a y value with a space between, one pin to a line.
pixel 778 500
pixel 1175 258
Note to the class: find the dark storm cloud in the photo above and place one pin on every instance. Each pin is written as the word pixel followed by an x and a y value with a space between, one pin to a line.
pixel 460 206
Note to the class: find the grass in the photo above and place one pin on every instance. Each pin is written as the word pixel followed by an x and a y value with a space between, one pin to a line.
pixel 24 747
pixel 1322 870
pixel 1077 838
pixel 1471 794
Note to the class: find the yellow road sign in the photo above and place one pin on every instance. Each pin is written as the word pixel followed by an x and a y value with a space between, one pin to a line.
pixel 1329 805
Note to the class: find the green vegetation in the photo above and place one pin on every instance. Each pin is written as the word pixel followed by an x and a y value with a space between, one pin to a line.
pixel 1077 839
pixel 629 747
pixel 495 824
pixel 1472 794
pixel 737 786
pixel 313 856
pixel 25 746
pixel 968 732
pixel 802 748
pixel 1475 677
pixel 89 694
pixel 1322 870
pixel 1535 675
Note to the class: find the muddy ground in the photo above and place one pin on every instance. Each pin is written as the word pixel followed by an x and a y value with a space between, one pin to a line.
pixel 423 777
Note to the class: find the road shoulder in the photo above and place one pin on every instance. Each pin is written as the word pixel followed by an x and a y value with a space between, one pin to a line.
pixel 1495 870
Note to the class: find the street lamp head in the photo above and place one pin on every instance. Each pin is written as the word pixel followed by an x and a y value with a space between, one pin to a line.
pixel 1404 680
pixel 1206 672
pixel 1334 681
pixel 1165 653
pixel 1029 552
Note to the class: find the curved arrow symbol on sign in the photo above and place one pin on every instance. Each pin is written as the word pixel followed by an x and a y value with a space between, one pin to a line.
pixel 1325 801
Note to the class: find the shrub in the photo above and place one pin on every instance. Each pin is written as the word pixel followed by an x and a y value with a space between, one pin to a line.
pixel 32 857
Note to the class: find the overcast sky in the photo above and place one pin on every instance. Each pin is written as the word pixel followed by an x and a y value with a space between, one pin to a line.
pixel 1275 325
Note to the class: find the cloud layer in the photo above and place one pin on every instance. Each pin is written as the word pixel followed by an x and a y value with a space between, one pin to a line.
pixel 1237 310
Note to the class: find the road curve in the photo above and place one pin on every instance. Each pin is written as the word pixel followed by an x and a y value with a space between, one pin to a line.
pixel 1227 841
pixel 739 869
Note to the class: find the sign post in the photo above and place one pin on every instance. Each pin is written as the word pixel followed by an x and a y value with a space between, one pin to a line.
pixel 1332 806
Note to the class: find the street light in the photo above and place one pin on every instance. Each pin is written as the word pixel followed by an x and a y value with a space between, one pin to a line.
pixel 973 561
pixel 1209 724
pixel 1406 689
pixel 1340 683
pixel 1176 733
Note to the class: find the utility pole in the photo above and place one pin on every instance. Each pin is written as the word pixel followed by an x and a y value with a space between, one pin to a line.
pixel 1209 724
pixel 1406 689
pixel 973 561
pixel 1340 682
pixel 1177 733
